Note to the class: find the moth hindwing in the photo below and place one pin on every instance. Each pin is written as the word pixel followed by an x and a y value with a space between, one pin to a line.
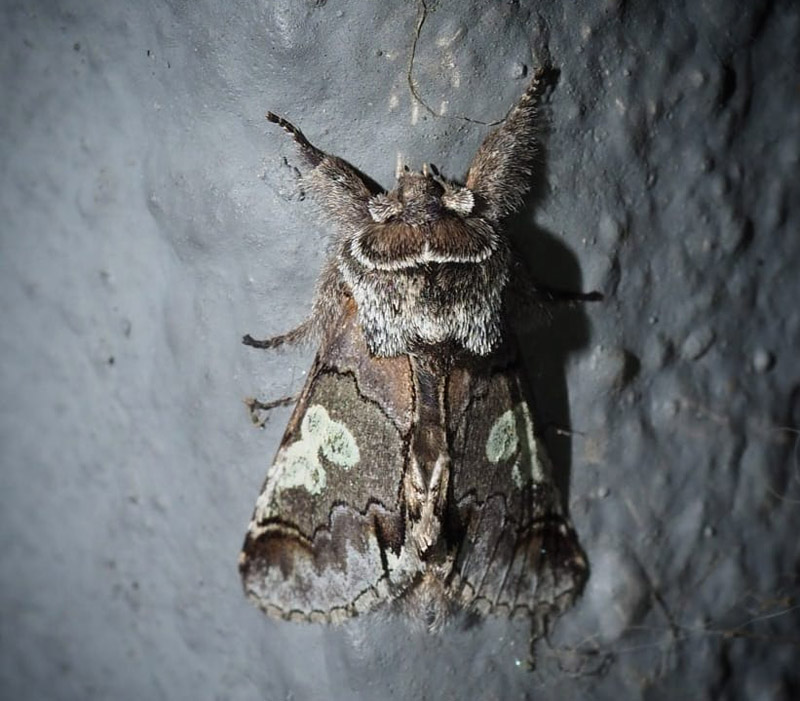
pixel 410 473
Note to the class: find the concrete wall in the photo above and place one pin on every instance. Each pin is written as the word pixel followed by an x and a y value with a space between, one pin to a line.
pixel 148 219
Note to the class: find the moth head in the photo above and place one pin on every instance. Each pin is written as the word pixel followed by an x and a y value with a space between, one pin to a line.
pixel 422 198
pixel 424 220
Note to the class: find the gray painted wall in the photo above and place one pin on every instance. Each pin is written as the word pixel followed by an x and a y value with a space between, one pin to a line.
pixel 148 219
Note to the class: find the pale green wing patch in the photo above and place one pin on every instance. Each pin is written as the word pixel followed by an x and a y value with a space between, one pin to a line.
pixel 339 446
pixel 530 449
pixel 315 424
pixel 504 441
pixel 299 464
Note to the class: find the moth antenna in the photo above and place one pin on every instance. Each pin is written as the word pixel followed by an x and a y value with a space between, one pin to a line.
pixel 535 89
pixel 311 153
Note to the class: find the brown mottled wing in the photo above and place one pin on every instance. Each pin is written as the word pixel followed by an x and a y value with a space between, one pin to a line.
pixel 518 553
pixel 317 544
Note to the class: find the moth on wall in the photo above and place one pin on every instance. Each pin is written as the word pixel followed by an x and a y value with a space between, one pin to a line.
pixel 410 474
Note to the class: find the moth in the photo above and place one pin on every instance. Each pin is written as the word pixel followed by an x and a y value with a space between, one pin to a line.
pixel 410 475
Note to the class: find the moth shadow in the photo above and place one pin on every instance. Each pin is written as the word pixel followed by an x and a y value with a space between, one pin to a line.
pixel 545 346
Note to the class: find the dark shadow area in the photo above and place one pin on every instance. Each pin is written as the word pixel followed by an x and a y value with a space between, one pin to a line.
pixel 559 330
pixel 562 329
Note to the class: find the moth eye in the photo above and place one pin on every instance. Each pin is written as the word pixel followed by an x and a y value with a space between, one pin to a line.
pixel 460 201
pixel 382 208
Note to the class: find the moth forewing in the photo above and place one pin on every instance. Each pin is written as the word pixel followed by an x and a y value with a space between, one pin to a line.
pixel 519 553
pixel 330 507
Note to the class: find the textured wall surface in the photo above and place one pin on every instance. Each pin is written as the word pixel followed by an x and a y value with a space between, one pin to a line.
pixel 149 217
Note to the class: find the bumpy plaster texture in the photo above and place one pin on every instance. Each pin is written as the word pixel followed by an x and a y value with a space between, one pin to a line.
pixel 149 217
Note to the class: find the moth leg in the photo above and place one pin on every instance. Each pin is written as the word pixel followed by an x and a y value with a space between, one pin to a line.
pixel 531 306
pixel 500 172
pixel 534 293
pixel 560 430
pixel 329 299
pixel 293 337
pixel 527 298
pixel 254 406
pixel 337 186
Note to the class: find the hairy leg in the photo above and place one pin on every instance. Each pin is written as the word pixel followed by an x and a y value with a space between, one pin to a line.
pixel 254 406
pixel 293 337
